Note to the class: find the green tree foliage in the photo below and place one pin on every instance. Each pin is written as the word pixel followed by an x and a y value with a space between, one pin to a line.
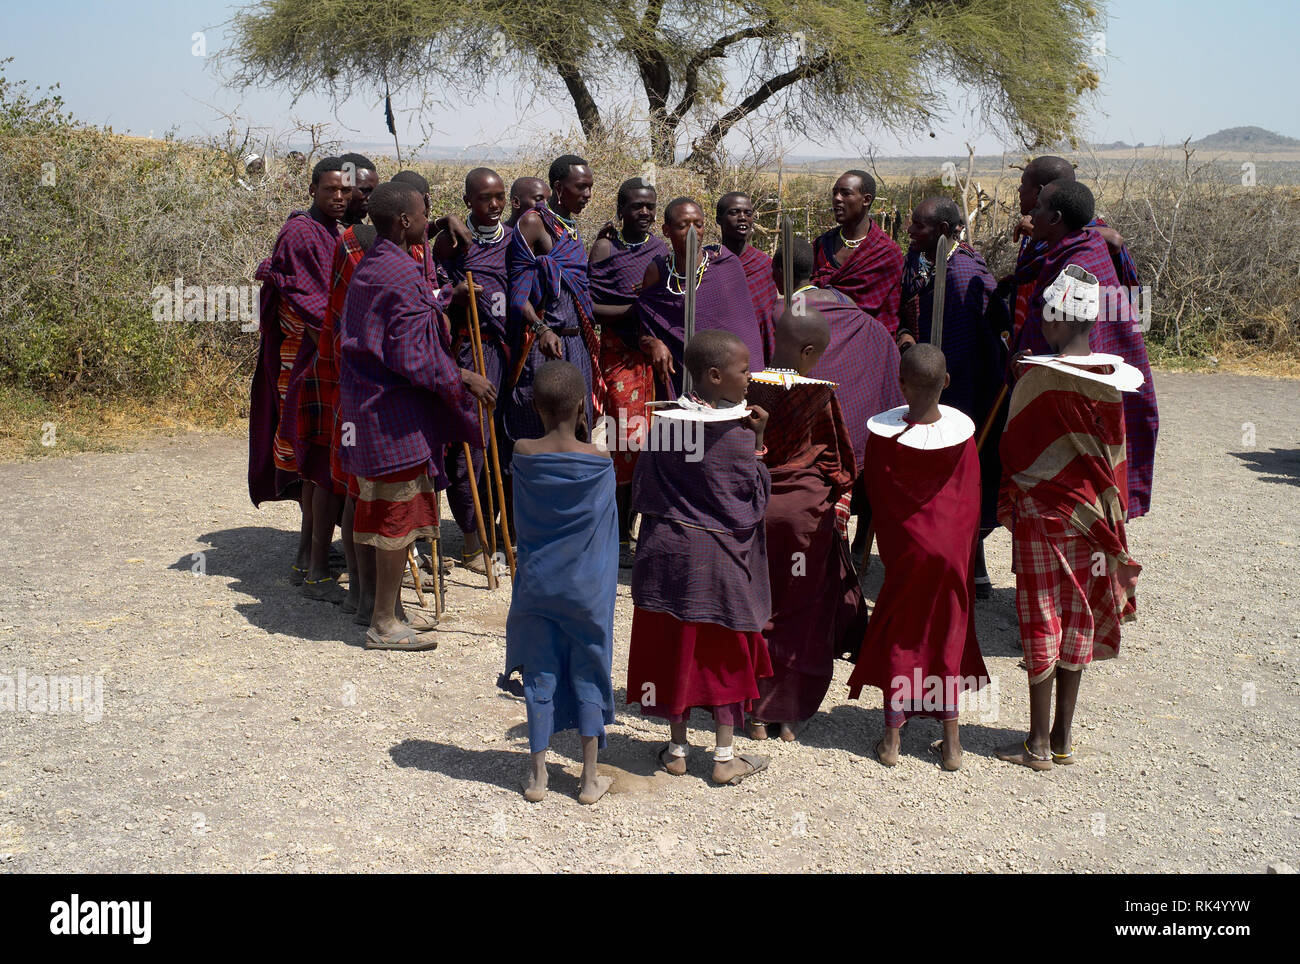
pixel 818 65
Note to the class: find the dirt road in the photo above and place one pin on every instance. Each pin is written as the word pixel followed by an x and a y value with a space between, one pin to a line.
pixel 242 727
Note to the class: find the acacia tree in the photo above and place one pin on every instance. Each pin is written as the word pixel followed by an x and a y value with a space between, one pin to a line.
pixel 842 65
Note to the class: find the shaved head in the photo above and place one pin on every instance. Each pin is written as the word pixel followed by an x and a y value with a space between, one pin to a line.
pixel 711 348
pixel 799 328
pixel 477 178
pixel 938 209
pixel 524 187
pixel 390 201
pixel 923 368
pixel 675 204
pixel 414 179
pixel 559 389
pixel 866 183
pixel 1049 168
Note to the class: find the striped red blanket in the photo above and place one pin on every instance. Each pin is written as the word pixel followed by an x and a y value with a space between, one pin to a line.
pixel 1063 447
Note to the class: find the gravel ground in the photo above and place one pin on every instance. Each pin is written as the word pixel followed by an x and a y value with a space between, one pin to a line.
pixel 244 727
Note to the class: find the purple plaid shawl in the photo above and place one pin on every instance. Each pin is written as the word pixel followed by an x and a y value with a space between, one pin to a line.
pixel 1117 332
pixel 298 272
pixel 702 556
pixel 488 263
pixel 862 359
pixel 721 302
pixel 398 384
pixel 617 279
pixel 556 284
pixel 1029 261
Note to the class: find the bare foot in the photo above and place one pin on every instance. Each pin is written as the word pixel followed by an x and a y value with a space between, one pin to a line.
pixel 739 768
pixel 787 732
pixel 887 754
pixel 949 754
pixel 676 765
pixel 756 731
pixel 535 788
pixel 593 789
pixel 1021 755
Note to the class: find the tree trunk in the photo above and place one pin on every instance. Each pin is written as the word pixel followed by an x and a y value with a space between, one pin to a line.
pixel 585 104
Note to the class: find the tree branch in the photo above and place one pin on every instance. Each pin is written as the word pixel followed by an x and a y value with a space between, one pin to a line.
pixel 691 74
pixel 709 142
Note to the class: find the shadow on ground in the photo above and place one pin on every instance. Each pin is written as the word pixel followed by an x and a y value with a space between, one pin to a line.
pixel 1274 465
pixel 257 559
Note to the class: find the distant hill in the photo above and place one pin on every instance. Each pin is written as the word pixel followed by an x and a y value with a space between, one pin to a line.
pixel 1247 139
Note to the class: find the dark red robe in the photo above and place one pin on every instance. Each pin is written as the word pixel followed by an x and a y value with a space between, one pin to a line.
pixel 926 509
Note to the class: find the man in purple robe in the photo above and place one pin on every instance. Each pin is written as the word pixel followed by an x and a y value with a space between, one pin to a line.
pixel 617 267
pixel 294 298
pixel 550 314
pixel 661 309
pixel 401 390
pixel 1118 330
pixel 484 256
pixel 735 216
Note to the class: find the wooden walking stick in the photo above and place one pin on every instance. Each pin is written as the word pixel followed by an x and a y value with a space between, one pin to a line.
pixel 478 519
pixel 439 589
pixel 437 576
pixel 414 565
pixel 476 350
pixel 493 450
pixel 942 250
pixel 997 404
pixel 988 422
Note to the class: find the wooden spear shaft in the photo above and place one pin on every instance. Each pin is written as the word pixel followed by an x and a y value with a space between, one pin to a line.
pixel 494 450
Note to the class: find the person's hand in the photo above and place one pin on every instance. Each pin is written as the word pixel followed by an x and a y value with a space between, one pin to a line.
pixel 478 386
pixel 661 359
pixel 756 421
pixel 905 340
pixel 549 344
pixel 1023 227
pixel 460 233
pixel 460 294
pixel 1017 361
pixel 1114 240
pixel 609 232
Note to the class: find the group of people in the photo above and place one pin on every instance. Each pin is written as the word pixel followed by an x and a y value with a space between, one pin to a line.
pixel 835 398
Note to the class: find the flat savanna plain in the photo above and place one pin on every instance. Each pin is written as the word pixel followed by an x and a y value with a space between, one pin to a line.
pixel 244 727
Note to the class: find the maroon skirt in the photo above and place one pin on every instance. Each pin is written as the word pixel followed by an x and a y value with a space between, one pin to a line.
pixel 674 666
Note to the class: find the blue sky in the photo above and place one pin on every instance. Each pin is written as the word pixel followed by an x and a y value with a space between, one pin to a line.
pixel 1172 68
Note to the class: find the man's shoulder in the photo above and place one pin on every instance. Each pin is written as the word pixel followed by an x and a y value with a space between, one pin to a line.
pixel 601 250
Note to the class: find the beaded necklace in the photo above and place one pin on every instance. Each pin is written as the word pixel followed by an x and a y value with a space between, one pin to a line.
pixel 631 245
pixel 570 227
pixel 672 273
pixel 480 238
pixel 852 243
